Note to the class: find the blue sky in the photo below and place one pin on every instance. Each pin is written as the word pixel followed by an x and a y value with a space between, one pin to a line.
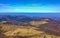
pixel 29 5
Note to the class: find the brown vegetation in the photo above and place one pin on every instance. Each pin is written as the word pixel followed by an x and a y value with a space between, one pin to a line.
pixel 33 29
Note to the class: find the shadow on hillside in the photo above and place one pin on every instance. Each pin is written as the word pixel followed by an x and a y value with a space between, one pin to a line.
pixel 51 29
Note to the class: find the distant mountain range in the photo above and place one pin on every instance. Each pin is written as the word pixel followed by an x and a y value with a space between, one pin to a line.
pixel 23 18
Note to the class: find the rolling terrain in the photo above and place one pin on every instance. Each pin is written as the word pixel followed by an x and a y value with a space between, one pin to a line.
pixel 26 27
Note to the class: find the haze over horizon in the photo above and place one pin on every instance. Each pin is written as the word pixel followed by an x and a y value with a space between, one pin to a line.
pixel 30 6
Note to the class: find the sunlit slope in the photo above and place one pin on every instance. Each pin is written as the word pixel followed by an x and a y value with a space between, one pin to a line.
pixel 37 29
pixel 13 30
pixel 38 23
pixel 22 32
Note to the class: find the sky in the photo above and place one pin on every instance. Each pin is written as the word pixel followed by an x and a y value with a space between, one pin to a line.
pixel 29 5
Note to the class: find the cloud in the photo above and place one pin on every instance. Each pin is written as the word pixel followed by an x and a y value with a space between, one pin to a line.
pixel 33 8
pixel 5 7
